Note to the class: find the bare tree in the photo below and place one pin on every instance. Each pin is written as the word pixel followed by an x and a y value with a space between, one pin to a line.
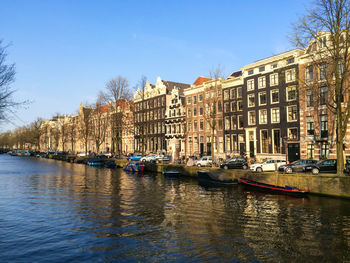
pixel 213 105
pixel 85 116
pixel 99 122
pixel 36 131
pixel 324 33
pixel 72 132
pixel 140 128
pixel 117 91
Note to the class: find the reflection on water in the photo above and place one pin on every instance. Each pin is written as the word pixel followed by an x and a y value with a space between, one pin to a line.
pixel 57 211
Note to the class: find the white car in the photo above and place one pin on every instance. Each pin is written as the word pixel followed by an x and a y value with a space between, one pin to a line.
pixel 148 158
pixel 267 166
pixel 82 154
pixel 204 161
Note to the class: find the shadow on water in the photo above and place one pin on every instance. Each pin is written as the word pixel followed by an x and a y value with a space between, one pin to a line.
pixel 57 211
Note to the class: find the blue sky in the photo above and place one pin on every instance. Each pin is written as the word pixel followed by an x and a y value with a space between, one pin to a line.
pixel 65 51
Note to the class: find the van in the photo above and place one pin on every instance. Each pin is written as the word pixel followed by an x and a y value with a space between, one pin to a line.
pixel 204 161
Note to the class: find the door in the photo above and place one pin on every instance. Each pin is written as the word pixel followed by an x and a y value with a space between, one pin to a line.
pixel 293 152
pixel 201 148
pixel 208 148
pixel 251 148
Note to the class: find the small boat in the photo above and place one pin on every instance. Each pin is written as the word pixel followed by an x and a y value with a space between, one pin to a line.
pixel 210 177
pixel 274 188
pixel 110 164
pixel 134 166
pixel 171 173
pixel 95 162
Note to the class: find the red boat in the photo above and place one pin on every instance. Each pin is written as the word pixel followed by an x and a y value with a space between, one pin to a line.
pixel 290 190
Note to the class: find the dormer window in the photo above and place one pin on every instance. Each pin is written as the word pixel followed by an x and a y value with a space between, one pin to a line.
pixel 290 61
pixel 251 72
pixel 323 42
pixel 261 69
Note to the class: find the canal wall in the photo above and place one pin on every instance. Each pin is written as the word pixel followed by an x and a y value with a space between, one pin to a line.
pixel 321 184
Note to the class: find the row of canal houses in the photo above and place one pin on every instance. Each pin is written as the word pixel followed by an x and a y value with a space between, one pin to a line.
pixel 262 111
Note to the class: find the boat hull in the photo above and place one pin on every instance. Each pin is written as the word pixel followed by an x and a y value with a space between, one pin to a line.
pixel 208 177
pixel 289 190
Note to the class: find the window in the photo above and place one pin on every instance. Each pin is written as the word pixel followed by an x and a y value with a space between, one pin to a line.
pixel 261 69
pixel 309 98
pixel 251 100
pixel 276 141
pixel 239 92
pixel 310 126
pixel 219 90
pixel 324 126
pixel 233 106
pixel 340 67
pixel 227 107
pixel 323 95
pixel 251 72
pixel 188 100
pixel 291 93
pixel 274 65
pixel 195 125
pixel 201 124
pixel 322 71
pixel 251 118
pixel 290 61
pixel 201 110
pixel 233 94
pixel 239 105
pixel 189 126
pixel 292 113
pixel 290 75
pixel 227 123
pixel 220 124
pixel 194 111
pixel 263 116
pixel 264 141
pixel 189 112
pixel 240 122
pixel 293 133
pixel 309 74
pixel 250 84
pixel 219 106
pixel 275 115
pixel 233 122
pixel 275 96
pixel 262 98
pixel 324 150
pixel 310 151
pixel 323 42
pixel 200 97
pixel 226 94
pixel 262 82
pixel 194 99
pixel 274 79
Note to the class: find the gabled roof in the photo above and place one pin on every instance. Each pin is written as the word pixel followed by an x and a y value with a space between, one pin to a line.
pixel 200 81
pixel 171 84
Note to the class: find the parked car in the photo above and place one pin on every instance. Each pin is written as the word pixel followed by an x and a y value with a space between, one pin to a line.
pixel 161 158
pixel 235 163
pixel 82 154
pixel 204 161
pixel 134 158
pixel 296 166
pixel 324 166
pixel 23 153
pixel 148 158
pixel 105 155
pixel 269 165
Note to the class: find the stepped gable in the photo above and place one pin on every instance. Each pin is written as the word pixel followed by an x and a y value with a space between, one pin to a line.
pixel 200 80
pixel 171 84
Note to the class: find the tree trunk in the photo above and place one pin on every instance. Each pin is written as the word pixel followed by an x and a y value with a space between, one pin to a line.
pixel 212 147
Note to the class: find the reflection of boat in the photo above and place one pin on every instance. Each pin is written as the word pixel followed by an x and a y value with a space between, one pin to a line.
pixel 95 162
pixel 134 166
pixel 211 177
pixel 110 164
pixel 171 173
pixel 274 188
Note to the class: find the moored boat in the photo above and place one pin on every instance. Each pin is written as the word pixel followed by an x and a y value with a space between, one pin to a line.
pixel 171 173
pixel 290 190
pixel 210 177
pixel 134 166
pixel 95 162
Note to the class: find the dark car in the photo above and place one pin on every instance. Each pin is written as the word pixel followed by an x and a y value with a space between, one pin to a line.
pixel 324 166
pixel 235 163
pixel 296 166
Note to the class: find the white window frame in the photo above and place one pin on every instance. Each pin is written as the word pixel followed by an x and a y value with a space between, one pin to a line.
pixel 262 82
pixel 274 79
pixel 279 115
pixel 249 112
pixel 260 104
pixel 288 107
pixel 250 84
pixel 271 92
pixel 289 130
pixel 260 119
pixel 250 96
pixel 290 75
pixel 287 97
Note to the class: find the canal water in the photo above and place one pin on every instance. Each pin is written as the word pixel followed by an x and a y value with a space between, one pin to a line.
pixel 52 211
